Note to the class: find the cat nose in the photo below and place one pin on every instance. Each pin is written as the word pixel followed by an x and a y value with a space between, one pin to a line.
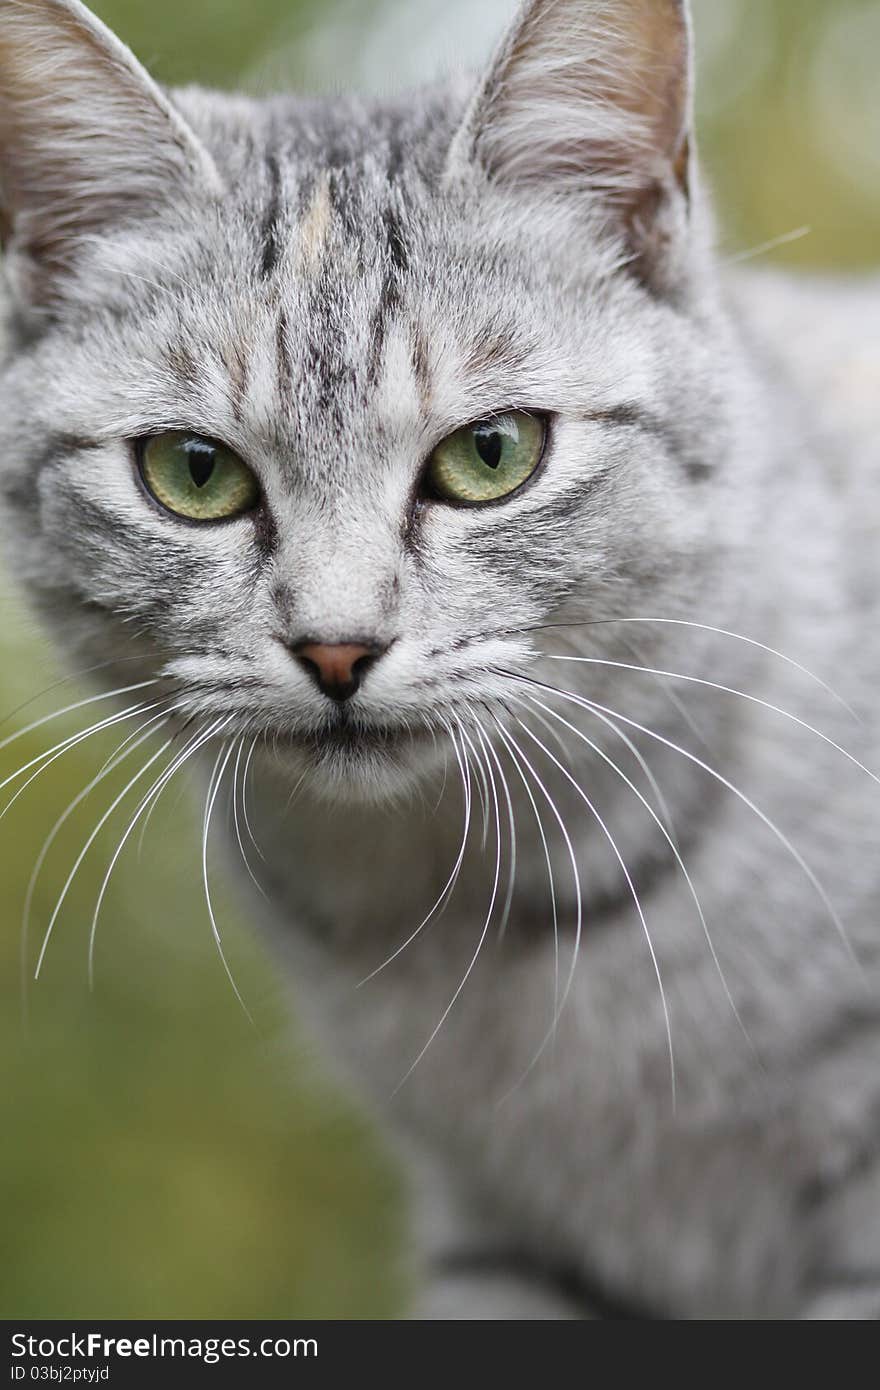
pixel 337 668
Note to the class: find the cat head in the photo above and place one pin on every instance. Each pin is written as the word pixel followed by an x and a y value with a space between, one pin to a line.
pixel 327 409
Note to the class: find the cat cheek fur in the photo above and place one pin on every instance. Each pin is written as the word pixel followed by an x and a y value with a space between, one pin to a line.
pixel 330 288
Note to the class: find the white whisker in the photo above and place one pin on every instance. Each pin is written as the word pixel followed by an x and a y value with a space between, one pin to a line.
pixel 671 694
pixel 244 801
pixel 595 747
pixel 724 782
pixel 213 790
pixel 726 690
pixel 464 769
pixel 486 744
pixel 71 709
pixel 549 866
pixel 485 932
pixel 154 792
pixel 125 749
pixel 518 755
pixel 236 825
pixel 639 758
pixel 632 888
pixel 51 756
pixel 153 797
pixel 84 851
pixel 442 792
pixel 723 632
pixel 785 239
pixel 481 784
pixel 67 680
pixel 163 705
pixel 295 791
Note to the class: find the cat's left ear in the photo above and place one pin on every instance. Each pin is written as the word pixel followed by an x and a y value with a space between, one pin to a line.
pixel 591 100
pixel 87 141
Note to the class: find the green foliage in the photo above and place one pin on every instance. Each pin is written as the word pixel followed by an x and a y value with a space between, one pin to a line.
pixel 790 125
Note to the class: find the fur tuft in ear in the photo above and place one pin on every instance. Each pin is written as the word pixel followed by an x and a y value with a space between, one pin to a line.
pixel 87 139
pixel 593 97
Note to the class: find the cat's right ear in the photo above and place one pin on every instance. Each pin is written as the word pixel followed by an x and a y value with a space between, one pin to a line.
pixel 588 102
pixel 88 141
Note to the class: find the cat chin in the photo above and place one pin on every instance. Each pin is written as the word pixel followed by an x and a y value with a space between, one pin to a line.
pixel 380 769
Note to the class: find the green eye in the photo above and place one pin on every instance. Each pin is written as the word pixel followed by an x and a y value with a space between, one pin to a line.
pixel 197 479
pixel 487 460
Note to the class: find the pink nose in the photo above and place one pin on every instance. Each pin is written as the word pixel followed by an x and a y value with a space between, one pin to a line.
pixel 338 668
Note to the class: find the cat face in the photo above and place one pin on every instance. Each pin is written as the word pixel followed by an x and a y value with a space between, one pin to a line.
pixel 329 411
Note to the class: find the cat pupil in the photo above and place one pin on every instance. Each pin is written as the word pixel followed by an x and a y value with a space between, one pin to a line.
pixel 489 445
pixel 201 467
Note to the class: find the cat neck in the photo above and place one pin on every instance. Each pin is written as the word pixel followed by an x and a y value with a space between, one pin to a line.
pixel 360 878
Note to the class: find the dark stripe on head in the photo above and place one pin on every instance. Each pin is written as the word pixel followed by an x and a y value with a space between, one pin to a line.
pixel 560 509
pixel 634 417
pixel 496 347
pixel 183 365
pixel 396 265
pixel 283 364
pixel 101 523
pixel 238 368
pixel 61 444
pixel 396 244
pixel 20 489
pixel 270 238
pixel 265 532
pixel 421 368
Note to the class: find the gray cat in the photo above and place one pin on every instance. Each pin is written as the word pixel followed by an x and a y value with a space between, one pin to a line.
pixel 495 549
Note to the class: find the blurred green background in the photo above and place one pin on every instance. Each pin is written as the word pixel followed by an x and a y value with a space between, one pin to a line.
pixel 159 1157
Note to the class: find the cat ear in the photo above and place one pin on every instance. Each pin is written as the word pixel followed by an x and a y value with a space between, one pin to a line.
pixel 593 97
pixel 87 139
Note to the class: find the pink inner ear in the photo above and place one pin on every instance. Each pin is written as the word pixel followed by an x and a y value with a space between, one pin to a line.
pixel 87 139
pixel 589 102
pixel 589 94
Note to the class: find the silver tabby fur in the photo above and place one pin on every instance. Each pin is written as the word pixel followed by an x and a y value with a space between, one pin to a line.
pixel 331 287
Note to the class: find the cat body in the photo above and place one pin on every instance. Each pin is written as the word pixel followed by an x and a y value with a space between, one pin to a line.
pixel 633 1054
